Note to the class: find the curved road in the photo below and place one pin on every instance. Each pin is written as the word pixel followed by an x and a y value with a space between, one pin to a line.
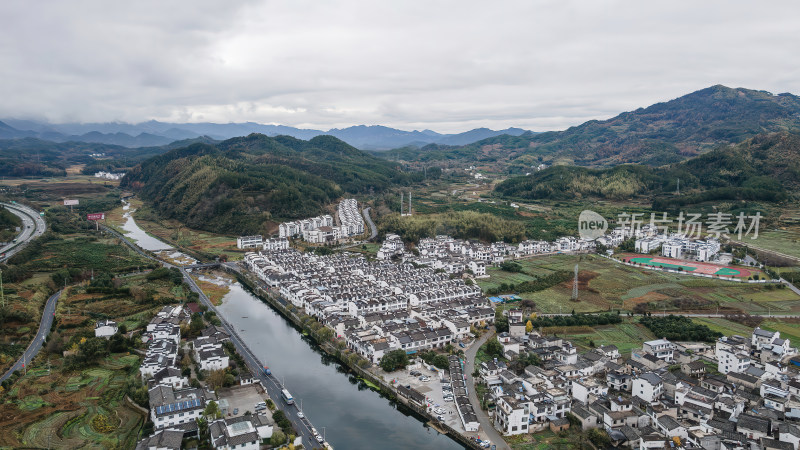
pixel 371 224
pixel 469 366
pixel 32 227
pixel 41 335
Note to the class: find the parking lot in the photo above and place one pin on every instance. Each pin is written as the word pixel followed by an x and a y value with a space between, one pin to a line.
pixel 241 398
pixel 432 389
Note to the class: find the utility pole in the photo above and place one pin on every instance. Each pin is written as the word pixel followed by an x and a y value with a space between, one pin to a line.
pixel 575 285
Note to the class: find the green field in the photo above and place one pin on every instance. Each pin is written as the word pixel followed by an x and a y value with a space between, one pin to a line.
pixel 723 326
pixel 789 330
pixel 626 336
pixel 606 285
pixel 782 241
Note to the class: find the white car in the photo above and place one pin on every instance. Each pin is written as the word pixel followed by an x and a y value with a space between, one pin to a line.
pixel 301 415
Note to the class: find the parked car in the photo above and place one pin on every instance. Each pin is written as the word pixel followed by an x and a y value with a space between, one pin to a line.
pixel 320 439
pixel 235 411
pixel 301 415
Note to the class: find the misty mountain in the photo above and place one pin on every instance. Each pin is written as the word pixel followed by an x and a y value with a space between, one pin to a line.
pixel 155 133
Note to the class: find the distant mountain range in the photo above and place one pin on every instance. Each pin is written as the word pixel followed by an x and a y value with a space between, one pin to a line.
pixel 660 134
pixel 154 133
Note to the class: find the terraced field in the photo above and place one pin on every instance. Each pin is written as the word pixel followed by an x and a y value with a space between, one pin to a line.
pixel 59 408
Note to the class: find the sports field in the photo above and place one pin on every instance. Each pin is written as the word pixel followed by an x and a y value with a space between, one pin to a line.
pixel 688 266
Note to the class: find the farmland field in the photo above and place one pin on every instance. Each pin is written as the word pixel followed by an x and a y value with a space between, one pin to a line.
pixel 605 285
pixel 626 336
pixel 783 241
pixel 59 407
pixel 723 326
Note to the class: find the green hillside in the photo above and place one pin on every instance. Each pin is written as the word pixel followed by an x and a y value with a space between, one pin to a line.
pixel 241 184
pixel 35 157
pixel 660 134
pixel 763 168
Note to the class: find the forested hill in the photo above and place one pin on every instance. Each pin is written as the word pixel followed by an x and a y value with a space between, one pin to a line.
pixel 241 184
pixel 765 168
pixel 660 134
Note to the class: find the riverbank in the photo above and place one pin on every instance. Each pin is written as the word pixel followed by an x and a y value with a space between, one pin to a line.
pixel 324 343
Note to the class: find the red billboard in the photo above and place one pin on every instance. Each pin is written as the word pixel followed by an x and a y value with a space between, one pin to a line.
pixel 96 216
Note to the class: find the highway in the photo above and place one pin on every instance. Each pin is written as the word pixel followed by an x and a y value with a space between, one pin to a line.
pixel 33 226
pixel 41 336
pixel 302 426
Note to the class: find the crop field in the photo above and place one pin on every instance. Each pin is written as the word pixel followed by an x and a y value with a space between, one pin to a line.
pixel 786 241
pixel 723 326
pixel 626 336
pixel 789 328
pixel 86 253
pixel 604 285
pixel 59 408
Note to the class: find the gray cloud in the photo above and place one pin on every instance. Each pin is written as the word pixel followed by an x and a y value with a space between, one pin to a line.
pixel 448 66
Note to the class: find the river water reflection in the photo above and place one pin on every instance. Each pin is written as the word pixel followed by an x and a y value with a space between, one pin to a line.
pixel 354 416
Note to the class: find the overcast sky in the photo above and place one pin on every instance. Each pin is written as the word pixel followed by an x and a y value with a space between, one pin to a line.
pixel 444 65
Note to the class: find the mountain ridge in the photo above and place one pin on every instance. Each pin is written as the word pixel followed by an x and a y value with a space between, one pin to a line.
pixel 662 133
pixel 153 133
pixel 246 184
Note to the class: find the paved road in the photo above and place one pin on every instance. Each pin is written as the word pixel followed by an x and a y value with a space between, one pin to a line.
pixel 41 335
pixel 790 286
pixel 489 430
pixel 371 224
pixel 33 226
pixel 303 426
pixel 272 385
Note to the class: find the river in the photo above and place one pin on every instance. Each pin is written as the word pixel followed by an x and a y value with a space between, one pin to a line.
pixel 354 416
pixel 135 233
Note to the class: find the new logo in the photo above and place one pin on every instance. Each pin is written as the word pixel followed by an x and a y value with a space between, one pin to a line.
pixel 591 225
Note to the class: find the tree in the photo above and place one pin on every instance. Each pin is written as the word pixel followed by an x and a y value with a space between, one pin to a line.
pixel 278 438
pixel 212 410
pixel 528 327
pixel 325 334
pixel 197 325
pixel 394 360
pixel 599 438
pixel 494 348
pixel 216 379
